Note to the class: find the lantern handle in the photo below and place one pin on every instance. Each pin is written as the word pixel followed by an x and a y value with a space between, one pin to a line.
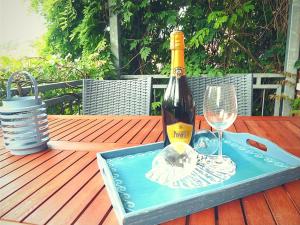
pixel 28 75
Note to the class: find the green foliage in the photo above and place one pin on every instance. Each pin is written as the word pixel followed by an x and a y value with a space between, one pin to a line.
pixel 297 64
pixel 155 108
pixel 296 106
pixel 78 30
pixel 55 68
pixel 75 46
pixel 145 52
pixel 221 36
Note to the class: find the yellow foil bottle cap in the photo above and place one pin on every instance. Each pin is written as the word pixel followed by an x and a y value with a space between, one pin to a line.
pixel 177 40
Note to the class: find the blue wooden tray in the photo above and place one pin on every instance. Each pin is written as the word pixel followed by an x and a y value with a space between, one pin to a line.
pixel 137 200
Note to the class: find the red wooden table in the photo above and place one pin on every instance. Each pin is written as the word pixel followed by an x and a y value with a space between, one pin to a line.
pixel 63 185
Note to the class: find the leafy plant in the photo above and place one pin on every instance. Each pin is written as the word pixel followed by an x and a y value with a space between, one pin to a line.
pixel 222 36
pixel 54 68
pixel 78 32
pixel 296 106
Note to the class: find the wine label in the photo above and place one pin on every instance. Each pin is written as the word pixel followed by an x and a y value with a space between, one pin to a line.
pixel 180 132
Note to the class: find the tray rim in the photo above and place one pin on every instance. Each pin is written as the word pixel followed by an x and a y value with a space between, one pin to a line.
pixel 124 217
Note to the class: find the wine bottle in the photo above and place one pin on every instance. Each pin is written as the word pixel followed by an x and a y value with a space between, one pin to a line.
pixel 178 107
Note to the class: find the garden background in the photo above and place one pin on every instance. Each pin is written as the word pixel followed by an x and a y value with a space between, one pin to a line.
pixel 222 37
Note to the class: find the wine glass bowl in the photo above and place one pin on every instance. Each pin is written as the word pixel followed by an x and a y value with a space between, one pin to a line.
pixel 220 106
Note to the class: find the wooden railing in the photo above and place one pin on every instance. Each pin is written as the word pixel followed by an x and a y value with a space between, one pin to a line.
pixel 264 86
pixel 59 103
pixel 266 83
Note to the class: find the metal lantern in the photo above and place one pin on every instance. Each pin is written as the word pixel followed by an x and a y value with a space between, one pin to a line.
pixel 24 121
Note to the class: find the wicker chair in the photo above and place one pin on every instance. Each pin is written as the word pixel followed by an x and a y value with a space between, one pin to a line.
pixel 242 83
pixel 116 97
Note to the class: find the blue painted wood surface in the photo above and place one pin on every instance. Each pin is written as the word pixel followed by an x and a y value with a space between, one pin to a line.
pixel 137 200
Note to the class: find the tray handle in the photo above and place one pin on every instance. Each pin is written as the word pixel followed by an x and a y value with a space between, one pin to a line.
pixel 273 149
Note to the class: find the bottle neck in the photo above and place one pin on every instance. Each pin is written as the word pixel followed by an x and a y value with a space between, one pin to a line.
pixel 177 62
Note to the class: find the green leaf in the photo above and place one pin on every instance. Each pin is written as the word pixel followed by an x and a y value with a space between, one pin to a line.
pixel 145 52
pixel 240 12
pixel 148 15
pixel 248 6
pixel 172 19
pixel 133 44
pixel 211 17
pixel 144 3
pixel 128 4
pixel 214 15
pixel 127 16
pixel 166 44
pixel 101 45
pixel 199 38
pixel 232 20
pixel 219 21
pixel 297 64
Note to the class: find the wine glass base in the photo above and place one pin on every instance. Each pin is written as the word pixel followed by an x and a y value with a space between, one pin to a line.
pixel 209 170
pixel 222 165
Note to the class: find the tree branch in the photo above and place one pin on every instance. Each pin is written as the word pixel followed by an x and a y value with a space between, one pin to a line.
pixel 248 52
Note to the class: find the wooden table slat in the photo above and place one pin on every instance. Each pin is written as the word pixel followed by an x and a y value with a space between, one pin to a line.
pixel 91 131
pixel 154 134
pixel 122 132
pixel 230 213
pixel 256 210
pixel 60 197
pixel 111 218
pixel 282 207
pixel 55 122
pixel 133 132
pixel 81 130
pixel 204 125
pixel 206 217
pixel 7 178
pixel 291 127
pixel 7 222
pixel 145 132
pixel 34 174
pixel 5 156
pixel 112 131
pixel 66 129
pixel 102 130
pixel 10 161
pixel 20 195
pixel 62 123
pixel 72 210
pixel 241 127
pixel 292 189
pixel 45 192
pixel 97 212
pixel 15 162
pixel 71 130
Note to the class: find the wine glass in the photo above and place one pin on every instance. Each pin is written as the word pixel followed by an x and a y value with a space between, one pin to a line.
pixel 220 111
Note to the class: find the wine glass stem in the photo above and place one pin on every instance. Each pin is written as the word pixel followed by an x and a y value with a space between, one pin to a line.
pixel 220 145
